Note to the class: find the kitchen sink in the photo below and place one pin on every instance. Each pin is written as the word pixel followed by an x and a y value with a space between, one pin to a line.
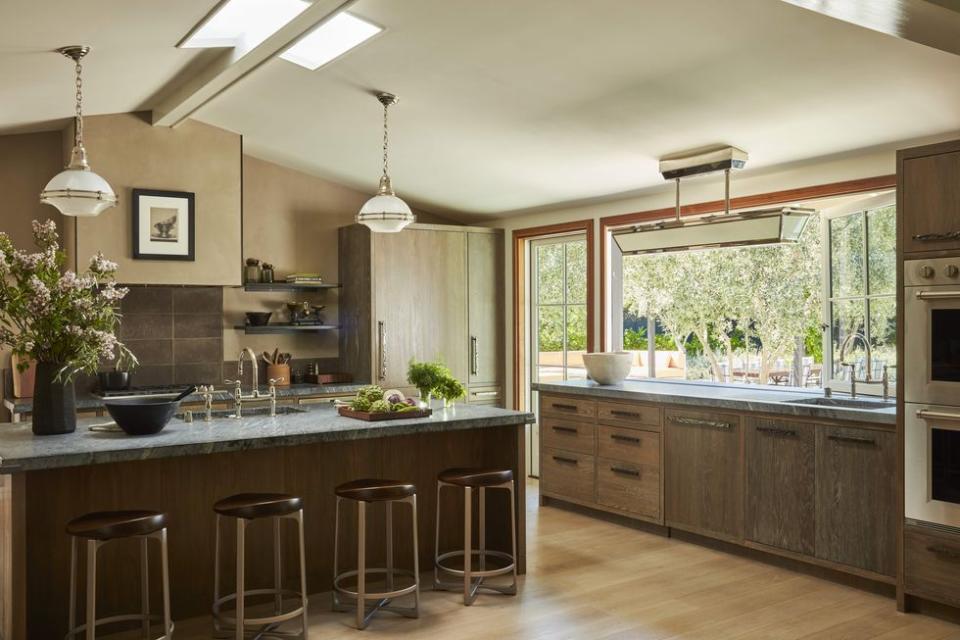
pixel 259 410
pixel 844 403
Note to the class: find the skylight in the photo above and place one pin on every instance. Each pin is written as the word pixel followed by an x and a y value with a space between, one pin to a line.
pixel 330 40
pixel 243 24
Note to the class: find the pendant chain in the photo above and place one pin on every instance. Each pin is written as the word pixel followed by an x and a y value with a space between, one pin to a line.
pixel 385 141
pixel 78 133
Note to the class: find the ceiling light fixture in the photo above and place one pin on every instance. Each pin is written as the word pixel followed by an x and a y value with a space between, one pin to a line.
pixel 78 191
pixel 330 40
pixel 243 24
pixel 385 212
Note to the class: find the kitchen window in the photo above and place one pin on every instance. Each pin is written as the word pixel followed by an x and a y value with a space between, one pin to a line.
pixel 860 290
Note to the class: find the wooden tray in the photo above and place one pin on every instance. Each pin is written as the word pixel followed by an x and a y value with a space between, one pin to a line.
pixel 393 415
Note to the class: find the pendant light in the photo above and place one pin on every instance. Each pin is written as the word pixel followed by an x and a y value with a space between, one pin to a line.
pixel 385 212
pixel 78 191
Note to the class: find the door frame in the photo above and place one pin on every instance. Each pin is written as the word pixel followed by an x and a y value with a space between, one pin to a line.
pixel 521 240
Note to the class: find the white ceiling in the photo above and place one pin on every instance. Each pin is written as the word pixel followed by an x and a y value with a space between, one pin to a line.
pixel 508 105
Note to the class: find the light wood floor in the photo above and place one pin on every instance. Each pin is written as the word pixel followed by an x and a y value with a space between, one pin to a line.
pixel 590 579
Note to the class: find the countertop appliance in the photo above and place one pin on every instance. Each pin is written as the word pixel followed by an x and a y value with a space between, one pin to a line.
pixel 932 391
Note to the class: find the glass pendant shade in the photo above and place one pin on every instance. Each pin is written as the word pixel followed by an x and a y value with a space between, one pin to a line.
pixel 78 192
pixel 385 212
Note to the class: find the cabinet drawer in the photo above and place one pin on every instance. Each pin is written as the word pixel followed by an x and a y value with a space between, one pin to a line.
pixel 565 473
pixel 931 564
pixel 629 414
pixel 567 406
pixel 630 487
pixel 629 445
pixel 569 435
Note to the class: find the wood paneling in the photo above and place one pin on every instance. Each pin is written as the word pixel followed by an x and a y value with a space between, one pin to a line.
pixel 567 434
pixel 856 498
pixel 780 484
pixel 567 473
pixel 186 487
pixel 785 196
pixel 519 239
pixel 930 197
pixel 932 564
pixel 703 472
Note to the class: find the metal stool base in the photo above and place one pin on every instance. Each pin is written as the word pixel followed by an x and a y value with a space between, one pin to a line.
pixel 473 580
pixel 382 600
pixel 130 617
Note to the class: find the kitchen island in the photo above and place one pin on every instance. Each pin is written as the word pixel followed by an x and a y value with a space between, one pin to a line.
pixel 184 469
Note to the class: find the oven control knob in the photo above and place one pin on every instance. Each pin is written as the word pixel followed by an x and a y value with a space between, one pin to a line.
pixel 926 271
pixel 953 271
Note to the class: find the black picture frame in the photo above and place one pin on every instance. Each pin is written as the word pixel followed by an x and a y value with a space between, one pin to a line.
pixel 141 245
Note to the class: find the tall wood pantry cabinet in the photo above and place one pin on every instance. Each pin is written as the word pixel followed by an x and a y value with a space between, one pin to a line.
pixel 429 292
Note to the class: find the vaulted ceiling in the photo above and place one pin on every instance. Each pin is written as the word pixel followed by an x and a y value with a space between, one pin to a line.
pixel 508 105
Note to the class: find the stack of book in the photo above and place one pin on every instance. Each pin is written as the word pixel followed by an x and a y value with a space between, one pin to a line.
pixel 304 278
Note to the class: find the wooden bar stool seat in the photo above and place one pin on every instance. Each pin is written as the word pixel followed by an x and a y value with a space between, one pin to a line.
pixel 109 525
pixel 365 492
pixel 479 480
pixel 99 528
pixel 246 508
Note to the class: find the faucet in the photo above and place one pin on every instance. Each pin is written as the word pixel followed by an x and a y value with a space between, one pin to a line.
pixel 254 395
pixel 885 380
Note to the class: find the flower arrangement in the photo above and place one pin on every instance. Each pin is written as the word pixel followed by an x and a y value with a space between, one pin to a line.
pixel 56 316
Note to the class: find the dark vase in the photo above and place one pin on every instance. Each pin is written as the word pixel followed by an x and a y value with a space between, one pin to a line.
pixel 54 403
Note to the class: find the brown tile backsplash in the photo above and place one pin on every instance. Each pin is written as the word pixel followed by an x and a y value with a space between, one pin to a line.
pixel 176 334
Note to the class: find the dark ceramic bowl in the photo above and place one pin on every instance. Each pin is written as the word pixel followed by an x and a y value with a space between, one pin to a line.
pixel 258 318
pixel 141 416
pixel 113 380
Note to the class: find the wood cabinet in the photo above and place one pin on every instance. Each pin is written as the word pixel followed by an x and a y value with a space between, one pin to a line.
pixel 414 296
pixel 703 472
pixel 929 197
pixel 779 509
pixel 485 307
pixel 856 498
pixel 931 564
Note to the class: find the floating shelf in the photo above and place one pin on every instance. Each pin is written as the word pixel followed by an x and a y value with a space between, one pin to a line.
pixel 285 328
pixel 288 286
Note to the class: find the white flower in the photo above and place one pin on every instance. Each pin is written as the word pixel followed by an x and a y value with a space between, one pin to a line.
pixel 45 234
pixel 99 264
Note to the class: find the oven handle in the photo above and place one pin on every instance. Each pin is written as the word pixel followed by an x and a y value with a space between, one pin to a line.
pixel 924 414
pixel 937 295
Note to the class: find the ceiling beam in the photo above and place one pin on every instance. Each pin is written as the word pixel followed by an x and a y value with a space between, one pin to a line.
pixel 934 23
pixel 189 95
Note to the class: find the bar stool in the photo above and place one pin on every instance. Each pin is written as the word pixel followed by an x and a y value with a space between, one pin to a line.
pixel 468 480
pixel 364 492
pixel 99 528
pixel 245 508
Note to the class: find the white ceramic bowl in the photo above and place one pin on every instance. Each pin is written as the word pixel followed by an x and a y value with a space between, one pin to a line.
pixel 608 368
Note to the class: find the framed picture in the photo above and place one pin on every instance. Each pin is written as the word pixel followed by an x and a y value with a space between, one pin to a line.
pixel 163 225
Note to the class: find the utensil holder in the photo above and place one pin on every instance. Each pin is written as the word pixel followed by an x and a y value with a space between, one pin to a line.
pixel 280 373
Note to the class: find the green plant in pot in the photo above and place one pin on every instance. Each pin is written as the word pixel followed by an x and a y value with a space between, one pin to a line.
pixel 451 390
pixel 64 321
pixel 425 376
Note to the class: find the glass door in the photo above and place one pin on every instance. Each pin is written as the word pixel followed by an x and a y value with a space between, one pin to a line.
pixel 557 317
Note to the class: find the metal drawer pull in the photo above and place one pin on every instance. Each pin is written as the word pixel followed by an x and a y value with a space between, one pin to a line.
pixel 855 439
pixel 565 407
pixel 782 432
pixel 617 436
pixel 566 429
pixel 926 414
pixel 486 394
pixel 938 295
pixel 946 552
pixel 624 414
pixel 567 460
pixel 937 237
pixel 697 422
pixel 626 472
pixel 383 351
